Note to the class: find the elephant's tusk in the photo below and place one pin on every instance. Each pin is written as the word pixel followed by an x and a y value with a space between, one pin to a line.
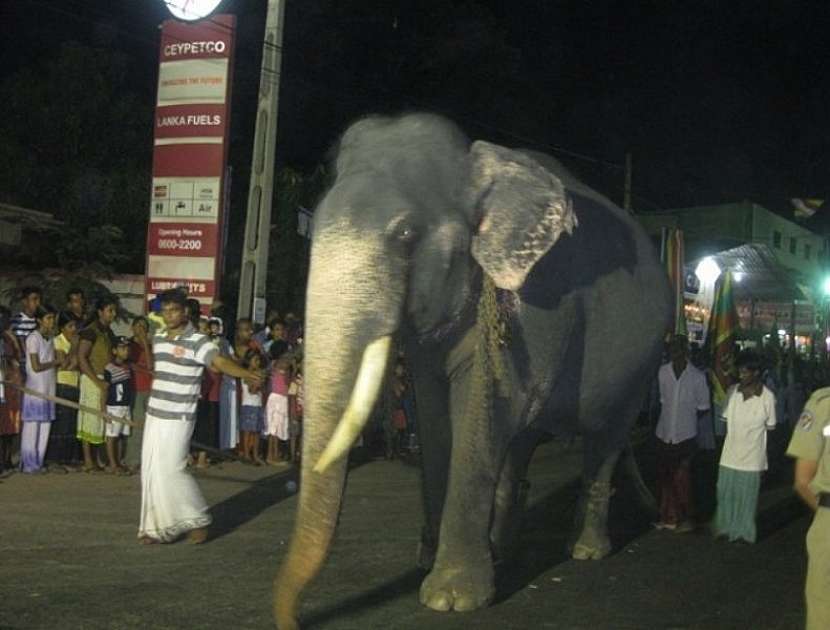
pixel 365 393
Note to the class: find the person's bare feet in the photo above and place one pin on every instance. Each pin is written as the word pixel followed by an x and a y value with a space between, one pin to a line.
pixel 148 540
pixel 197 536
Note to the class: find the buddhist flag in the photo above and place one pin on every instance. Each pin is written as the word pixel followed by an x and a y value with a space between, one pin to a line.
pixel 805 208
pixel 673 257
pixel 720 339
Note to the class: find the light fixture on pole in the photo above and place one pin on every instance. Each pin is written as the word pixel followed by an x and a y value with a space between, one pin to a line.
pixel 191 10
pixel 708 271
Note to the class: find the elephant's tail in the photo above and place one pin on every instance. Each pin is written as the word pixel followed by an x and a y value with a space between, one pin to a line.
pixel 630 467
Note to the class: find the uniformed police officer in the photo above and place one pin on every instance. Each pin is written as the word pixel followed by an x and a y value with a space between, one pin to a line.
pixel 810 445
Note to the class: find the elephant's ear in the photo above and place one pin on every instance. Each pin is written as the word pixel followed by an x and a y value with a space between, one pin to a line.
pixel 523 209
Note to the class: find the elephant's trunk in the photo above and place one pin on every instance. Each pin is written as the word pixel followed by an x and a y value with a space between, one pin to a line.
pixel 350 317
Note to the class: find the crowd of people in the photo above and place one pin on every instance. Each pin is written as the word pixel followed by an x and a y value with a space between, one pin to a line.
pixel 776 409
pixel 743 433
pixel 102 384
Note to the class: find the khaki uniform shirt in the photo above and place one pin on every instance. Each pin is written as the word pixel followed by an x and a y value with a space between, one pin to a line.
pixel 811 438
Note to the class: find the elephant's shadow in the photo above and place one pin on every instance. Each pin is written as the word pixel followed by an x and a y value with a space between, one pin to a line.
pixel 547 526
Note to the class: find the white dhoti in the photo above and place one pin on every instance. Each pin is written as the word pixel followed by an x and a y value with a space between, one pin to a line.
pixel 171 502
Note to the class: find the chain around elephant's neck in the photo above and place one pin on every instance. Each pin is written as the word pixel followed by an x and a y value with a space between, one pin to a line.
pixel 492 335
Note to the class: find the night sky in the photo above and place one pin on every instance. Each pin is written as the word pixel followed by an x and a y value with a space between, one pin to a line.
pixel 717 101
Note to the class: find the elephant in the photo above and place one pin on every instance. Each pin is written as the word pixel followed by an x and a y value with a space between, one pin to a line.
pixel 527 304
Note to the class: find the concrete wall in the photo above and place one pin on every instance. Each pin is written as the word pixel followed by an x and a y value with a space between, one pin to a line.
pixel 129 288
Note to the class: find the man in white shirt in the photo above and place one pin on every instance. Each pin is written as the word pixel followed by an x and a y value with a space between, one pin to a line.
pixel 684 395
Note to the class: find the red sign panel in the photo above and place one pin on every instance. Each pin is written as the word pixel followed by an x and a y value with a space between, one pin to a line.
pixel 188 160
pixel 182 239
pixel 211 38
pixel 194 288
pixel 189 121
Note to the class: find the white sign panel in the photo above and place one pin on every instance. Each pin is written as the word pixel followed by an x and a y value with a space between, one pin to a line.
pixel 196 198
pixel 192 81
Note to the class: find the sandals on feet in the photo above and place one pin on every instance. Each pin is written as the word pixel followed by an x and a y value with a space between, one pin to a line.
pixel 197 536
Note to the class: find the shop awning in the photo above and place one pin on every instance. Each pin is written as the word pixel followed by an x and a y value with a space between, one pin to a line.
pixel 758 274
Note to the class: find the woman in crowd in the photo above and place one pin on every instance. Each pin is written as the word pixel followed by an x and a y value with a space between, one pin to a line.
pixel 38 413
pixel 11 358
pixel 94 352
pixel 749 414
pixel 228 398
pixel 64 447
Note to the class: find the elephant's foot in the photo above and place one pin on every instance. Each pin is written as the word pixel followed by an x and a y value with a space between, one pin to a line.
pixel 591 545
pixel 461 589
pixel 593 542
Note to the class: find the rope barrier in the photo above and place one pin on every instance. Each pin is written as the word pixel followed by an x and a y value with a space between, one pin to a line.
pixel 65 402
pixel 108 418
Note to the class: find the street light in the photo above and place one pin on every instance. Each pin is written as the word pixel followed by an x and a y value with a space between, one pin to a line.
pixel 708 271
pixel 191 10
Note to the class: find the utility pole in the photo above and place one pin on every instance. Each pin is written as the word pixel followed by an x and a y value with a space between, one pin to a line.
pixel 254 269
pixel 627 190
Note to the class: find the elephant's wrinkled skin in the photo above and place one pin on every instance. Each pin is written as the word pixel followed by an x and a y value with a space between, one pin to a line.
pixel 400 241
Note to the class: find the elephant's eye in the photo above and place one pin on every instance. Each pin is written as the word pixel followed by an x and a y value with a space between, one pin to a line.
pixel 402 230
pixel 406 234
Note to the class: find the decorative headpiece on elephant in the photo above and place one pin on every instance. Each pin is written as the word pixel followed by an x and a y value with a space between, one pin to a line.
pixel 420 233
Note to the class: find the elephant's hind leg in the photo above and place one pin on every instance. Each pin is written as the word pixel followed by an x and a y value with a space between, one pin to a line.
pixel 511 495
pixel 592 515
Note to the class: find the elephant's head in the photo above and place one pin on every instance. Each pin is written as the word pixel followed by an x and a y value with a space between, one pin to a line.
pixel 413 214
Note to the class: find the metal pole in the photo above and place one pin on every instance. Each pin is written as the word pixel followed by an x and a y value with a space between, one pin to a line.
pixel 254 269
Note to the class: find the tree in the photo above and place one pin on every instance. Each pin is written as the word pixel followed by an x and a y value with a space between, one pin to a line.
pixel 75 141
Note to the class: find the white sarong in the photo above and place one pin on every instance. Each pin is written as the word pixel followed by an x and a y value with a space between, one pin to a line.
pixel 171 502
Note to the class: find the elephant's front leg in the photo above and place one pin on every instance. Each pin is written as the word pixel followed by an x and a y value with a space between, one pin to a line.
pixel 462 577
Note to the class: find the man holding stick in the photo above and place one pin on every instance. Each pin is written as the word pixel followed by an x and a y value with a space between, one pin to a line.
pixel 171 502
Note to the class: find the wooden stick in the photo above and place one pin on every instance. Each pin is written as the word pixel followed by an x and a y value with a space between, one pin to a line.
pixel 71 403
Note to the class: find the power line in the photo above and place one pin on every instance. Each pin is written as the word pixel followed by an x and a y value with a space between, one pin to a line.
pixel 365 90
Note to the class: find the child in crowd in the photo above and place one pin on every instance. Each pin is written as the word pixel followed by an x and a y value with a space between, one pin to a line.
pixel 10 364
pixel 214 327
pixel 295 408
pixel 395 437
pixel 250 412
pixel 38 413
pixel 120 393
pixel 277 423
pixel 141 361
pixel 64 448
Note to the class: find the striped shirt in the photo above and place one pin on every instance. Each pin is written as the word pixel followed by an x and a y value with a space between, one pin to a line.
pixel 177 379
pixel 23 325
pixel 120 390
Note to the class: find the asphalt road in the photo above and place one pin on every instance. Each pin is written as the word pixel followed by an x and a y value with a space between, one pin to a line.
pixel 69 559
